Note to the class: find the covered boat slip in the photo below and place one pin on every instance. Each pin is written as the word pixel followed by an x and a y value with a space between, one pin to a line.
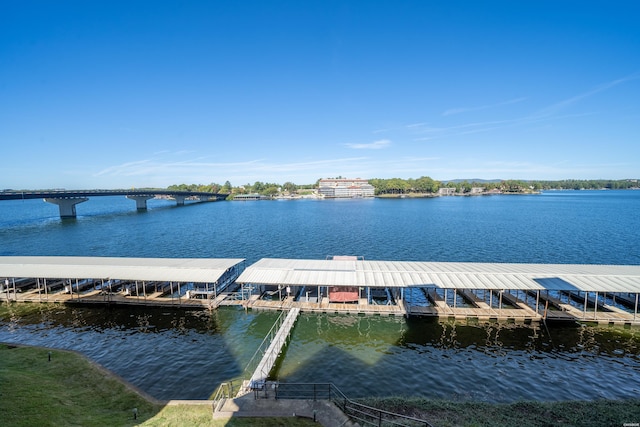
pixel 193 282
pixel 526 292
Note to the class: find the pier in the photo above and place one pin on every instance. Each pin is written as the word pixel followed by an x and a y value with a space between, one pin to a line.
pixel 183 282
pixel 461 291
pixel 525 293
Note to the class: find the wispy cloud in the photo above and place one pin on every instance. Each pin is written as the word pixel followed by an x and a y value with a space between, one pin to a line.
pixel 548 113
pixel 482 107
pixel 376 145
pixel 559 106
pixel 162 171
pixel 156 166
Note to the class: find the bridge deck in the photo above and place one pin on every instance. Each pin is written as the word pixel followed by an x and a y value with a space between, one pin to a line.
pixel 22 195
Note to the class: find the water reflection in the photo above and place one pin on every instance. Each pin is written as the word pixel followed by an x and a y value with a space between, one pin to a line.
pixel 170 353
pixel 491 362
pixel 180 354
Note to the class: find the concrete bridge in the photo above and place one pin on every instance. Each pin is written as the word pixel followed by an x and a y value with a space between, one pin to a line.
pixel 68 199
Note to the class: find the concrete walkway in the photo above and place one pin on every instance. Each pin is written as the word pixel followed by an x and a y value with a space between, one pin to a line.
pixel 326 413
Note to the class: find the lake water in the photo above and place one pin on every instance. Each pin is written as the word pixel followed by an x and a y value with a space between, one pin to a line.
pixel 183 355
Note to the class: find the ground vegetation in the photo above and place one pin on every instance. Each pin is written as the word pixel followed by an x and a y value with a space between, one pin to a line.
pixel 419 186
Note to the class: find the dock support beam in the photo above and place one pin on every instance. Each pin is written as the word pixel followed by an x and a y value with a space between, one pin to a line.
pixel 67 206
pixel 141 201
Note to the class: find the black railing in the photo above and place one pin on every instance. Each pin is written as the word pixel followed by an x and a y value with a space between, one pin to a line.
pixel 366 415
pixel 264 345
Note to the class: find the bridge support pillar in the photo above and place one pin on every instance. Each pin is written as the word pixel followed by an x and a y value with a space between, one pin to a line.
pixel 141 201
pixel 67 206
pixel 179 200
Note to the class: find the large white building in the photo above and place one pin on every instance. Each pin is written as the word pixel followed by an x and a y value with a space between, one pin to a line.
pixel 346 188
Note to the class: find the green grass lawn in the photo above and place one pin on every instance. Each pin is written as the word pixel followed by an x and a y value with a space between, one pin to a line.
pixel 71 391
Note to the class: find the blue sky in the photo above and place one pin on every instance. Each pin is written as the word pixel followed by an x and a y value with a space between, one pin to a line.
pixel 120 94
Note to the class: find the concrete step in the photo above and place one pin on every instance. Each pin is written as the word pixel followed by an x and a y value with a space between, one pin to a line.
pixel 325 412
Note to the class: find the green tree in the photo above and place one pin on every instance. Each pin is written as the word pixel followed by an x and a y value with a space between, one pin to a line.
pixel 290 187
pixel 271 190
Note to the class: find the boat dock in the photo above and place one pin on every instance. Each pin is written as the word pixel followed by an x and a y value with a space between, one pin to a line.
pixel 488 292
pixel 481 291
pixel 181 282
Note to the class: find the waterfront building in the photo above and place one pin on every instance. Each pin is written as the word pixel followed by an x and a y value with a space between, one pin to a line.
pixel 250 196
pixel 342 187
pixel 447 191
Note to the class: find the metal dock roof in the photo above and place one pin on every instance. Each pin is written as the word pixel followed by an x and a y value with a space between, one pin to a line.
pixel 196 270
pixel 450 275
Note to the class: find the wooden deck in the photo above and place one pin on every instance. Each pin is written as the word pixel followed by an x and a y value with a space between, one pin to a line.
pixel 519 312
pixel 96 297
pixel 326 307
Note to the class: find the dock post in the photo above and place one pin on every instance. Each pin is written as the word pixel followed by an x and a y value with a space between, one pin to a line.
pixel 595 307
pixel 635 312
pixel 538 301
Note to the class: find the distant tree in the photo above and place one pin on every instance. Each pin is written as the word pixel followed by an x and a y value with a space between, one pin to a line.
pixel 258 187
pixel 397 186
pixel 271 190
pixel 514 186
pixel 290 187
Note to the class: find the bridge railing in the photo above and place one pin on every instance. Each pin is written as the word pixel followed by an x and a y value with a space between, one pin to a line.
pixel 15 195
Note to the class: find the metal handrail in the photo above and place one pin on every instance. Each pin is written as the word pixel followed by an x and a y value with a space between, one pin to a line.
pixel 224 392
pixel 364 414
pixel 253 362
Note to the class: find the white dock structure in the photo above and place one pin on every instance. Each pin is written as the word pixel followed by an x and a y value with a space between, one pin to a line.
pixel 605 294
pixel 270 356
pixel 187 282
pixel 491 289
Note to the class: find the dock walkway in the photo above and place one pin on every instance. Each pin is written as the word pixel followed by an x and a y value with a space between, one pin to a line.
pixel 273 351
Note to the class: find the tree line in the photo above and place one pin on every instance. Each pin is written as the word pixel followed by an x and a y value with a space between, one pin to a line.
pixel 422 185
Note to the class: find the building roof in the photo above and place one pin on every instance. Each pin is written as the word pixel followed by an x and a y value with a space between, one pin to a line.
pixel 450 275
pixel 196 270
